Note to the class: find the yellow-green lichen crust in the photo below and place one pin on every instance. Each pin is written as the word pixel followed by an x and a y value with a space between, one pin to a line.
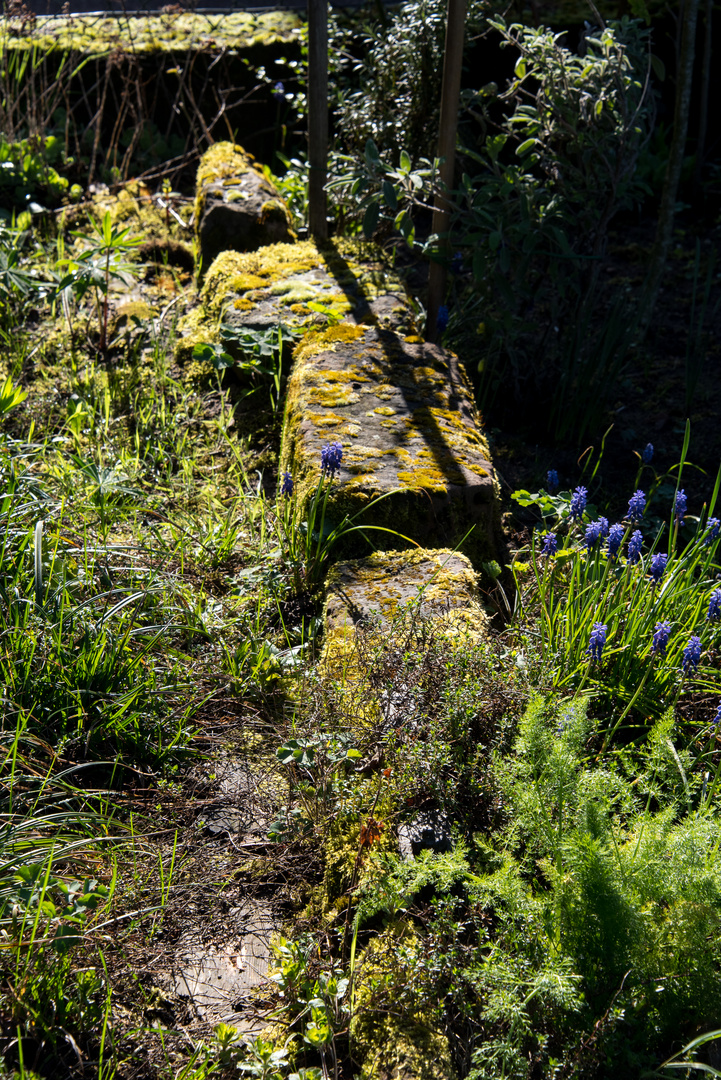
pixel 357 589
pixel 406 419
pixel 147 34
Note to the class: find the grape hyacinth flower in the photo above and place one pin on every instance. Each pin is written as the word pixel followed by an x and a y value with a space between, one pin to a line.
pixel 442 317
pixel 713 527
pixel 603 526
pixel 552 481
pixel 661 634
pixel 287 485
pixel 636 506
pixel 658 567
pixel 634 547
pixel 597 641
pixel 615 539
pixel 278 90
pixel 578 503
pixel 717 718
pixel 691 655
pixel 550 544
pixel 593 533
pixel 714 607
pixel 330 458
pixel 647 455
pixel 679 507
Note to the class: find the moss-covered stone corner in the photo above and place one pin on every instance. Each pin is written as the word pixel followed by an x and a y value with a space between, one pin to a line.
pixel 415 461
pixel 392 1042
pixel 382 583
pixel 237 206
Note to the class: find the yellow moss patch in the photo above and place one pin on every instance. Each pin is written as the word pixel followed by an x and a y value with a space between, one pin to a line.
pixel 407 1047
pixel 318 341
pixel 224 160
pixel 332 396
pixel 166 33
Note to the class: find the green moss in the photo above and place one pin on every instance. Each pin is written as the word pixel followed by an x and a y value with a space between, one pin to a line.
pixel 404 1047
pixel 281 271
pixel 132 207
pixel 238 272
pixel 319 341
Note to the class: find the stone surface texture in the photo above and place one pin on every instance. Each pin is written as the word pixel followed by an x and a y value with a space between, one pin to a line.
pixel 359 589
pixel 305 287
pixel 405 416
pixel 219 976
pixel 236 206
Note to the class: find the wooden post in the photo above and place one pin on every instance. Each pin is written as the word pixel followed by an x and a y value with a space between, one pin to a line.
pixel 452 67
pixel 317 117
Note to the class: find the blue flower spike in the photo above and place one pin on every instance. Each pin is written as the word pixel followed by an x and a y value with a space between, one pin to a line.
pixel 287 485
pixel 662 631
pixel 717 718
pixel 615 538
pixel 636 506
pixel 552 481
pixel 691 655
pixel 647 455
pixel 592 535
pixel 634 547
pixel 680 506
pixel 330 458
pixel 550 544
pixel 714 606
pixel 597 641
pixel 713 527
pixel 278 90
pixel 578 503
pixel 658 567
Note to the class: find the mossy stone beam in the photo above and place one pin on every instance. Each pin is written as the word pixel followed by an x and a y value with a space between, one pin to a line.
pixel 236 206
pixel 405 416
pixel 94 35
pixel 303 286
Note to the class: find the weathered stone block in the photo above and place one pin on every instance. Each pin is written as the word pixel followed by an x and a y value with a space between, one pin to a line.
pixel 405 416
pixel 358 589
pixel 236 206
